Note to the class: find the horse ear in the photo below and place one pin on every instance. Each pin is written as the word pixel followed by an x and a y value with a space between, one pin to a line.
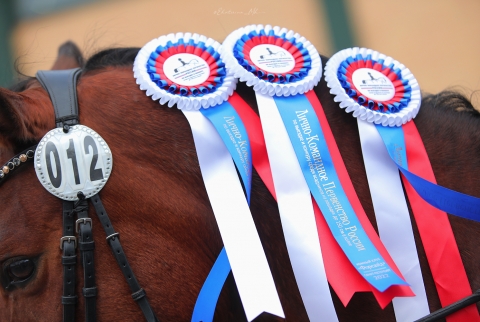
pixel 69 56
pixel 25 116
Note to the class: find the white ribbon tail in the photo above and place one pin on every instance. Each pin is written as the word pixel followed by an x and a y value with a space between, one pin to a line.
pixel 393 220
pixel 242 243
pixel 297 216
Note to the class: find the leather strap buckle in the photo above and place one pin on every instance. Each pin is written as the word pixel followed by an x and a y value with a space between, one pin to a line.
pixel 82 221
pixel 114 235
pixel 68 239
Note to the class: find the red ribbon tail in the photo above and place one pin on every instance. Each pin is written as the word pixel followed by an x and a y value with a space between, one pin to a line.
pixel 436 233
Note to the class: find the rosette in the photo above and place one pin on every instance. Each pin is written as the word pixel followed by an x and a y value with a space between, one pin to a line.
pixel 280 63
pixel 375 87
pixel 283 68
pixel 384 96
pixel 378 89
pixel 184 69
pixel 187 70
pixel 274 60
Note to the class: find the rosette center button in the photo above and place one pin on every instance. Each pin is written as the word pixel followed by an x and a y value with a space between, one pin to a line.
pixel 373 84
pixel 272 58
pixel 186 69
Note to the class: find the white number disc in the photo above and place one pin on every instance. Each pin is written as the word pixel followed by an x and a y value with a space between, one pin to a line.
pixel 67 163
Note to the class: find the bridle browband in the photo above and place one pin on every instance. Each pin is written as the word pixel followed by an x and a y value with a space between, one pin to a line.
pixel 61 87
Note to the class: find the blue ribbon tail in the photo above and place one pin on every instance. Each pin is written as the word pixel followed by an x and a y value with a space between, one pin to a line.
pixel 450 201
pixel 210 292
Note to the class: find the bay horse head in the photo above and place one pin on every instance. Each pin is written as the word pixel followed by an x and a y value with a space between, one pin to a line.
pixel 25 117
pixel 157 201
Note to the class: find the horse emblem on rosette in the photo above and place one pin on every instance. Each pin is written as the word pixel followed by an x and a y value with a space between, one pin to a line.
pixel 185 65
pixel 373 80
pixel 272 54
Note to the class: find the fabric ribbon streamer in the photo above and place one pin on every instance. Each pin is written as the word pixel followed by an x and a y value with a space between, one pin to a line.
pixel 380 90
pixel 343 277
pixel 442 198
pixel 278 62
pixel 297 215
pixel 415 158
pixel 343 274
pixel 232 131
pixel 317 165
pixel 255 48
pixel 186 70
pixel 393 220
pixel 245 253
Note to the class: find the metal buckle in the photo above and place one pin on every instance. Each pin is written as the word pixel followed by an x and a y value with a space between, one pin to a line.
pixel 82 221
pixel 114 235
pixel 68 239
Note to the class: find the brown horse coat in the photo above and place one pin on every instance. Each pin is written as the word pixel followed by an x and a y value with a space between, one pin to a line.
pixel 157 201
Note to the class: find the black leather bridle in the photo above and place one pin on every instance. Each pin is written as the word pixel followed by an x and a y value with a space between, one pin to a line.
pixel 61 87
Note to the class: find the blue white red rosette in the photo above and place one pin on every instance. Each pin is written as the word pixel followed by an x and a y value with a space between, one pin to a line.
pixel 184 69
pixel 375 87
pixel 397 145
pixel 282 66
pixel 187 70
pixel 250 53
pixel 379 90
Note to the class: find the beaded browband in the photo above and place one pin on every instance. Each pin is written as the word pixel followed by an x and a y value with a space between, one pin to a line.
pixel 16 162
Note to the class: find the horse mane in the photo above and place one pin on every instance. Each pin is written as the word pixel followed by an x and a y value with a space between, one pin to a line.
pixel 451 100
pixel 112 57
pixel 454 107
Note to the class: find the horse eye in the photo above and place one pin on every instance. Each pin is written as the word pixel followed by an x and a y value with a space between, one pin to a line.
pixel 18 270
pixel 21 269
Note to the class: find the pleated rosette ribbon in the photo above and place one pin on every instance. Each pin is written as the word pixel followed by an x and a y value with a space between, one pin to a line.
pixel 186 70
pixel 384 96
pixel 283 68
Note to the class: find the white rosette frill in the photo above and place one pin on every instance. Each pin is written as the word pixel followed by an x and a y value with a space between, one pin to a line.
pixel 351 105
pixel 272 88
pixel 206 100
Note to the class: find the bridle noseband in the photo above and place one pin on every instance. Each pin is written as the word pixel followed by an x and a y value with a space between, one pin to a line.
pixel 61 87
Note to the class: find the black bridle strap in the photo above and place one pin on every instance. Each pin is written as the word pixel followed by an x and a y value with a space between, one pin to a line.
pixel 86 244
pixel 68 243
pixel 138 294
pixel 452 308
pixel 61 86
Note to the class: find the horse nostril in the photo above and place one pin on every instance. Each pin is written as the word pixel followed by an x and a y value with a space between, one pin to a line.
pixel 21 269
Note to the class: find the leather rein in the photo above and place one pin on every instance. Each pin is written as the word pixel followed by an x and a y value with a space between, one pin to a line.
pixel 61 86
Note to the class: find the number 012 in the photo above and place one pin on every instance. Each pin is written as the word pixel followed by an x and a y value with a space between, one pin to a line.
pixel 56 180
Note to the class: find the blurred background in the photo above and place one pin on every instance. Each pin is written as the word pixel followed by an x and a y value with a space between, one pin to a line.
pixel 436 40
